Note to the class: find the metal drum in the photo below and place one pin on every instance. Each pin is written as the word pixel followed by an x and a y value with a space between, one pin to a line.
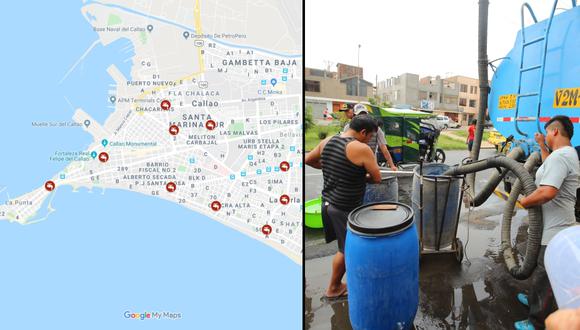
pixel 406 183
pixel 385 191
pixel 440 202
pixel 382 262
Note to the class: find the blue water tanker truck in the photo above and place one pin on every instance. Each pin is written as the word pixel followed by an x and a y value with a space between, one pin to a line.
pixel 537 80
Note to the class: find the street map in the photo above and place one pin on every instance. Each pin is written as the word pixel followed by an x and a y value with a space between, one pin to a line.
pixel 163 132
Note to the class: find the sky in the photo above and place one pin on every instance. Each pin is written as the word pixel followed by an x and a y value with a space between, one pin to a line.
pixel 426 37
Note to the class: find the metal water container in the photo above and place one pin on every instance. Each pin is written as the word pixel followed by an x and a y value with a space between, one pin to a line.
pixel 385 191
pixel 440 201
pixel 406 182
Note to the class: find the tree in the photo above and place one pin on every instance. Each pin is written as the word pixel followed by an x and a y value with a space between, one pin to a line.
pixel 377 102
pixel 343 119
pixel 308 120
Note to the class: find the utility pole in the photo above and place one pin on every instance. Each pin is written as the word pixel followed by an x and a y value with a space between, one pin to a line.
pixel 358 73
pixel 482 62
pixel 376 86
pixel 327 68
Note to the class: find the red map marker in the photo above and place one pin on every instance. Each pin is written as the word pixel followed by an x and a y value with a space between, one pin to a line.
pixel 266 230
pixel 103 157
pixel 210 125
pixel 49 185
pixel 216 206
pixel 170 186
pixel 165 105
pixel 284 199
pixel 284 166
pixel 173 130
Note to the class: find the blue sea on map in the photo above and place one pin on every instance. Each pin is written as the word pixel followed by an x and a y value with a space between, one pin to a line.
pixel 102 254
pixel 46 45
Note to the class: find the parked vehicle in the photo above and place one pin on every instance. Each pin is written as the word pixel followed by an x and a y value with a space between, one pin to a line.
pixel 453 123
pixel 402 129
pixel 440 122
pixel 427 144
pixel 498 140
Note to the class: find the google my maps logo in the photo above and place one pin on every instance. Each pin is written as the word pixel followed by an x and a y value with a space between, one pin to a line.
pixel 152 315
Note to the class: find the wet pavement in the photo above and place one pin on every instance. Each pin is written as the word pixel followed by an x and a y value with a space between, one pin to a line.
pixel 479 293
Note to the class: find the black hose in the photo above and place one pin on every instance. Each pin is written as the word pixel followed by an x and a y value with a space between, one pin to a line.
pixel 495 179
pixel 535 213
pixel 506 247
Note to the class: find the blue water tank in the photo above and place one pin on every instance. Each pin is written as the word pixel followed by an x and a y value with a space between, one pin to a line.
pixel 560 85
pixel 382 267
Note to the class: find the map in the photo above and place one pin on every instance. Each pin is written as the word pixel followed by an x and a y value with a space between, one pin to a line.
pixel 152 165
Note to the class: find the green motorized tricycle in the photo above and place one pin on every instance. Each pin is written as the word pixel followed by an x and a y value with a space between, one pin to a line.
pixel 408 136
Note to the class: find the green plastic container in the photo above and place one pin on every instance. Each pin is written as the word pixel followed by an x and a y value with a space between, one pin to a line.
pixel 313 212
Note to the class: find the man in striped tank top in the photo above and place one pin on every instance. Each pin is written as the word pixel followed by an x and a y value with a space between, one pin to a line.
pixel 347 163
pixel 377 141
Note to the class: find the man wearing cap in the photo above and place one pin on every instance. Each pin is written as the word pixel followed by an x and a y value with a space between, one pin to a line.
pixel 377 140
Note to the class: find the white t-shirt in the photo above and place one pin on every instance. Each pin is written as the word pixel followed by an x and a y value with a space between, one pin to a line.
pixel 560 170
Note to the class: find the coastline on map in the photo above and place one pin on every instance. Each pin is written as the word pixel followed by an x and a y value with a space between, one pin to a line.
pixel 82 82
pixel 131 252
pixel 46 210
pixel 41 122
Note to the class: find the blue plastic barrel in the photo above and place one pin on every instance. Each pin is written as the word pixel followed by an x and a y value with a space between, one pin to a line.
pixel 382 266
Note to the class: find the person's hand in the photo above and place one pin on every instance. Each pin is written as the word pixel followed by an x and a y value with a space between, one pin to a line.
pixel 393 167
pixel 567 319
pixel 540 139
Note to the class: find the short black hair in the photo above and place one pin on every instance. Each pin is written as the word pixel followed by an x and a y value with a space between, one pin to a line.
pixel 360 122
pixel 474 122
pixel 566 125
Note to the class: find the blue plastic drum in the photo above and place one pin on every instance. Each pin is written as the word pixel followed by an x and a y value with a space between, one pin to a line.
pixel 382 266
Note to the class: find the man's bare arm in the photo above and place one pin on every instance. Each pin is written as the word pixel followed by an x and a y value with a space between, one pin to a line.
pixel 564 319
pixel 540 196
pixel 370 164
pixel 361 155
pixel 545 152
pixel 541 141
pixel 388 157
pixel 314 157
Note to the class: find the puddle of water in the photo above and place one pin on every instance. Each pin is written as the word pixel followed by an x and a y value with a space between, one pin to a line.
pixel 481 292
